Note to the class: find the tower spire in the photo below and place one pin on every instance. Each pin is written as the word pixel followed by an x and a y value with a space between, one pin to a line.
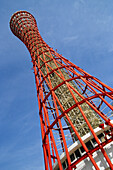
pixel 74 107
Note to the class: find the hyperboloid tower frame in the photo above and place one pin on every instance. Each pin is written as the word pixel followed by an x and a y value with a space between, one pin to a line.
pixel 75 108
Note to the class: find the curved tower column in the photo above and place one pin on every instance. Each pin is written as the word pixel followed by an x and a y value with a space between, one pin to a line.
pixel 75 108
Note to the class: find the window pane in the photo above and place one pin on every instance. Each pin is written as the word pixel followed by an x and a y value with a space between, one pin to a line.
pixel 82 149
pixel 101 137
pixel 64 165
pixel 72 157
pixel 77 153
pixel 94 141
pixel 89 145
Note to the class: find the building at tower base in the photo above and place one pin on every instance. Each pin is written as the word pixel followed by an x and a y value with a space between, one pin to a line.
pixel 76 151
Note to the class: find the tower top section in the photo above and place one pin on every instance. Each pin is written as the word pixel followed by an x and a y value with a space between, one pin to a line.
pixel 21 22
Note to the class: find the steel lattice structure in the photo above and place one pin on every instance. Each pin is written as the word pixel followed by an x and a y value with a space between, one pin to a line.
pixel 72 103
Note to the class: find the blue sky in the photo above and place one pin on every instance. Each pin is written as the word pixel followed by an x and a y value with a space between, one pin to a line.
pixel 82 31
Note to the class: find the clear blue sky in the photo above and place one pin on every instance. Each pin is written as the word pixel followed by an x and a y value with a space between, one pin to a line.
pixel 82 31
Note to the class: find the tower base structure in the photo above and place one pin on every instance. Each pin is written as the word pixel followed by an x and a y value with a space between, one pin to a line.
pixel 77 153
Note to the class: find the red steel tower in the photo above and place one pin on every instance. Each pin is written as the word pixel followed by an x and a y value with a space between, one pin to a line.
pixel 75 108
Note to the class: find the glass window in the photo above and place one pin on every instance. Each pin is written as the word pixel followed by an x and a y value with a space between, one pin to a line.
pixel 82 149
pixel 66 162
pixel 89 145
pixel 77 153
pixel 72 157
pixel 94 141
pixel 101 137
pixel 64 165
pixel 108 132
